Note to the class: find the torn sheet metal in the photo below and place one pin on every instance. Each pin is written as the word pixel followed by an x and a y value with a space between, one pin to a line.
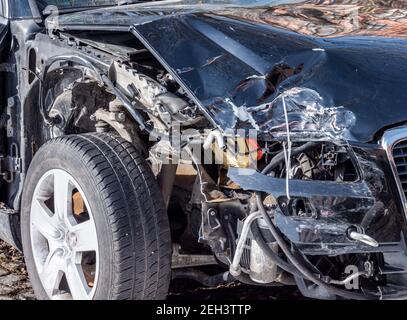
pixel 253 180
pixel 307 115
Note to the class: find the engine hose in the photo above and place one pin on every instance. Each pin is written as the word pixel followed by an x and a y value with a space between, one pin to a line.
pixel 307 274
pixel 133 112
pixel 280 157
pixel 257 235
pixel 126 103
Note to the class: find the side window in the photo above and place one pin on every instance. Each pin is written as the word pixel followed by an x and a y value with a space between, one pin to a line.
pixel 2 13
pixel 20 9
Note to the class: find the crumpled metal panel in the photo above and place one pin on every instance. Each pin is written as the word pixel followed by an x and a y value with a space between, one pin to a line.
pixel 239 71
pixel 238 64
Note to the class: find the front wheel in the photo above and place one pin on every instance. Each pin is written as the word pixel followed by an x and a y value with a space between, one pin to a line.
pixel 93 222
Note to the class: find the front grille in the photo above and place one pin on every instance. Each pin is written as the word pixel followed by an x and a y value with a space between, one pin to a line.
pixel 400 161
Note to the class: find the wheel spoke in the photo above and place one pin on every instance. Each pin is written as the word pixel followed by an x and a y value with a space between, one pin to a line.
pixel 52 273
pixel 61 241
pixel 76 282
pixel 42 220
pixel 62 196
pixel 86 237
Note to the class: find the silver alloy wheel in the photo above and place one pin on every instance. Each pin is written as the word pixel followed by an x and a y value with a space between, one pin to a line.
pixel 64 243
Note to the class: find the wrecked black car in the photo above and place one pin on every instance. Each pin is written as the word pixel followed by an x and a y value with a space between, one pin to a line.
pixel 255 141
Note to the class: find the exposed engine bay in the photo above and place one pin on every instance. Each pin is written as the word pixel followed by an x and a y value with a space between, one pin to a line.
pixel 268 178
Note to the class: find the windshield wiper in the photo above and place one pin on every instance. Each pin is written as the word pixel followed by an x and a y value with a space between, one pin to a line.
pixel 125 2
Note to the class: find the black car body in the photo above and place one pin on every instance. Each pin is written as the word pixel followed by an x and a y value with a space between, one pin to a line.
pixel 320 82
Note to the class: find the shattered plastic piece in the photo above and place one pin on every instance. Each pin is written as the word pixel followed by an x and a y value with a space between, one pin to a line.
pixel 306 112
pixel 242 114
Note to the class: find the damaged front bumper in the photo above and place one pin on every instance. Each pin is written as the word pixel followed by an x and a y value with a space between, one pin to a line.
pixel 371 206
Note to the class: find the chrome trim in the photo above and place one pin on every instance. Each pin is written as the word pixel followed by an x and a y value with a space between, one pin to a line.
pixel 389 139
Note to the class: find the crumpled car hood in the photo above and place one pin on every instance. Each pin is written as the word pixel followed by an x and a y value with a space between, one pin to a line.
pixel 320 68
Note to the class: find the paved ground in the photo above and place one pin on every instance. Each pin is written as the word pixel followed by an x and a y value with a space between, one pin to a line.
pixel 14 285
pixel 231 292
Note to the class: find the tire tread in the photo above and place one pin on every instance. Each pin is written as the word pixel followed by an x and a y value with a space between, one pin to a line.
pixel 141 246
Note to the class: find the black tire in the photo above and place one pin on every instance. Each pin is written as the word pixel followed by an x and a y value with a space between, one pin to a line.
pixel 131 220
